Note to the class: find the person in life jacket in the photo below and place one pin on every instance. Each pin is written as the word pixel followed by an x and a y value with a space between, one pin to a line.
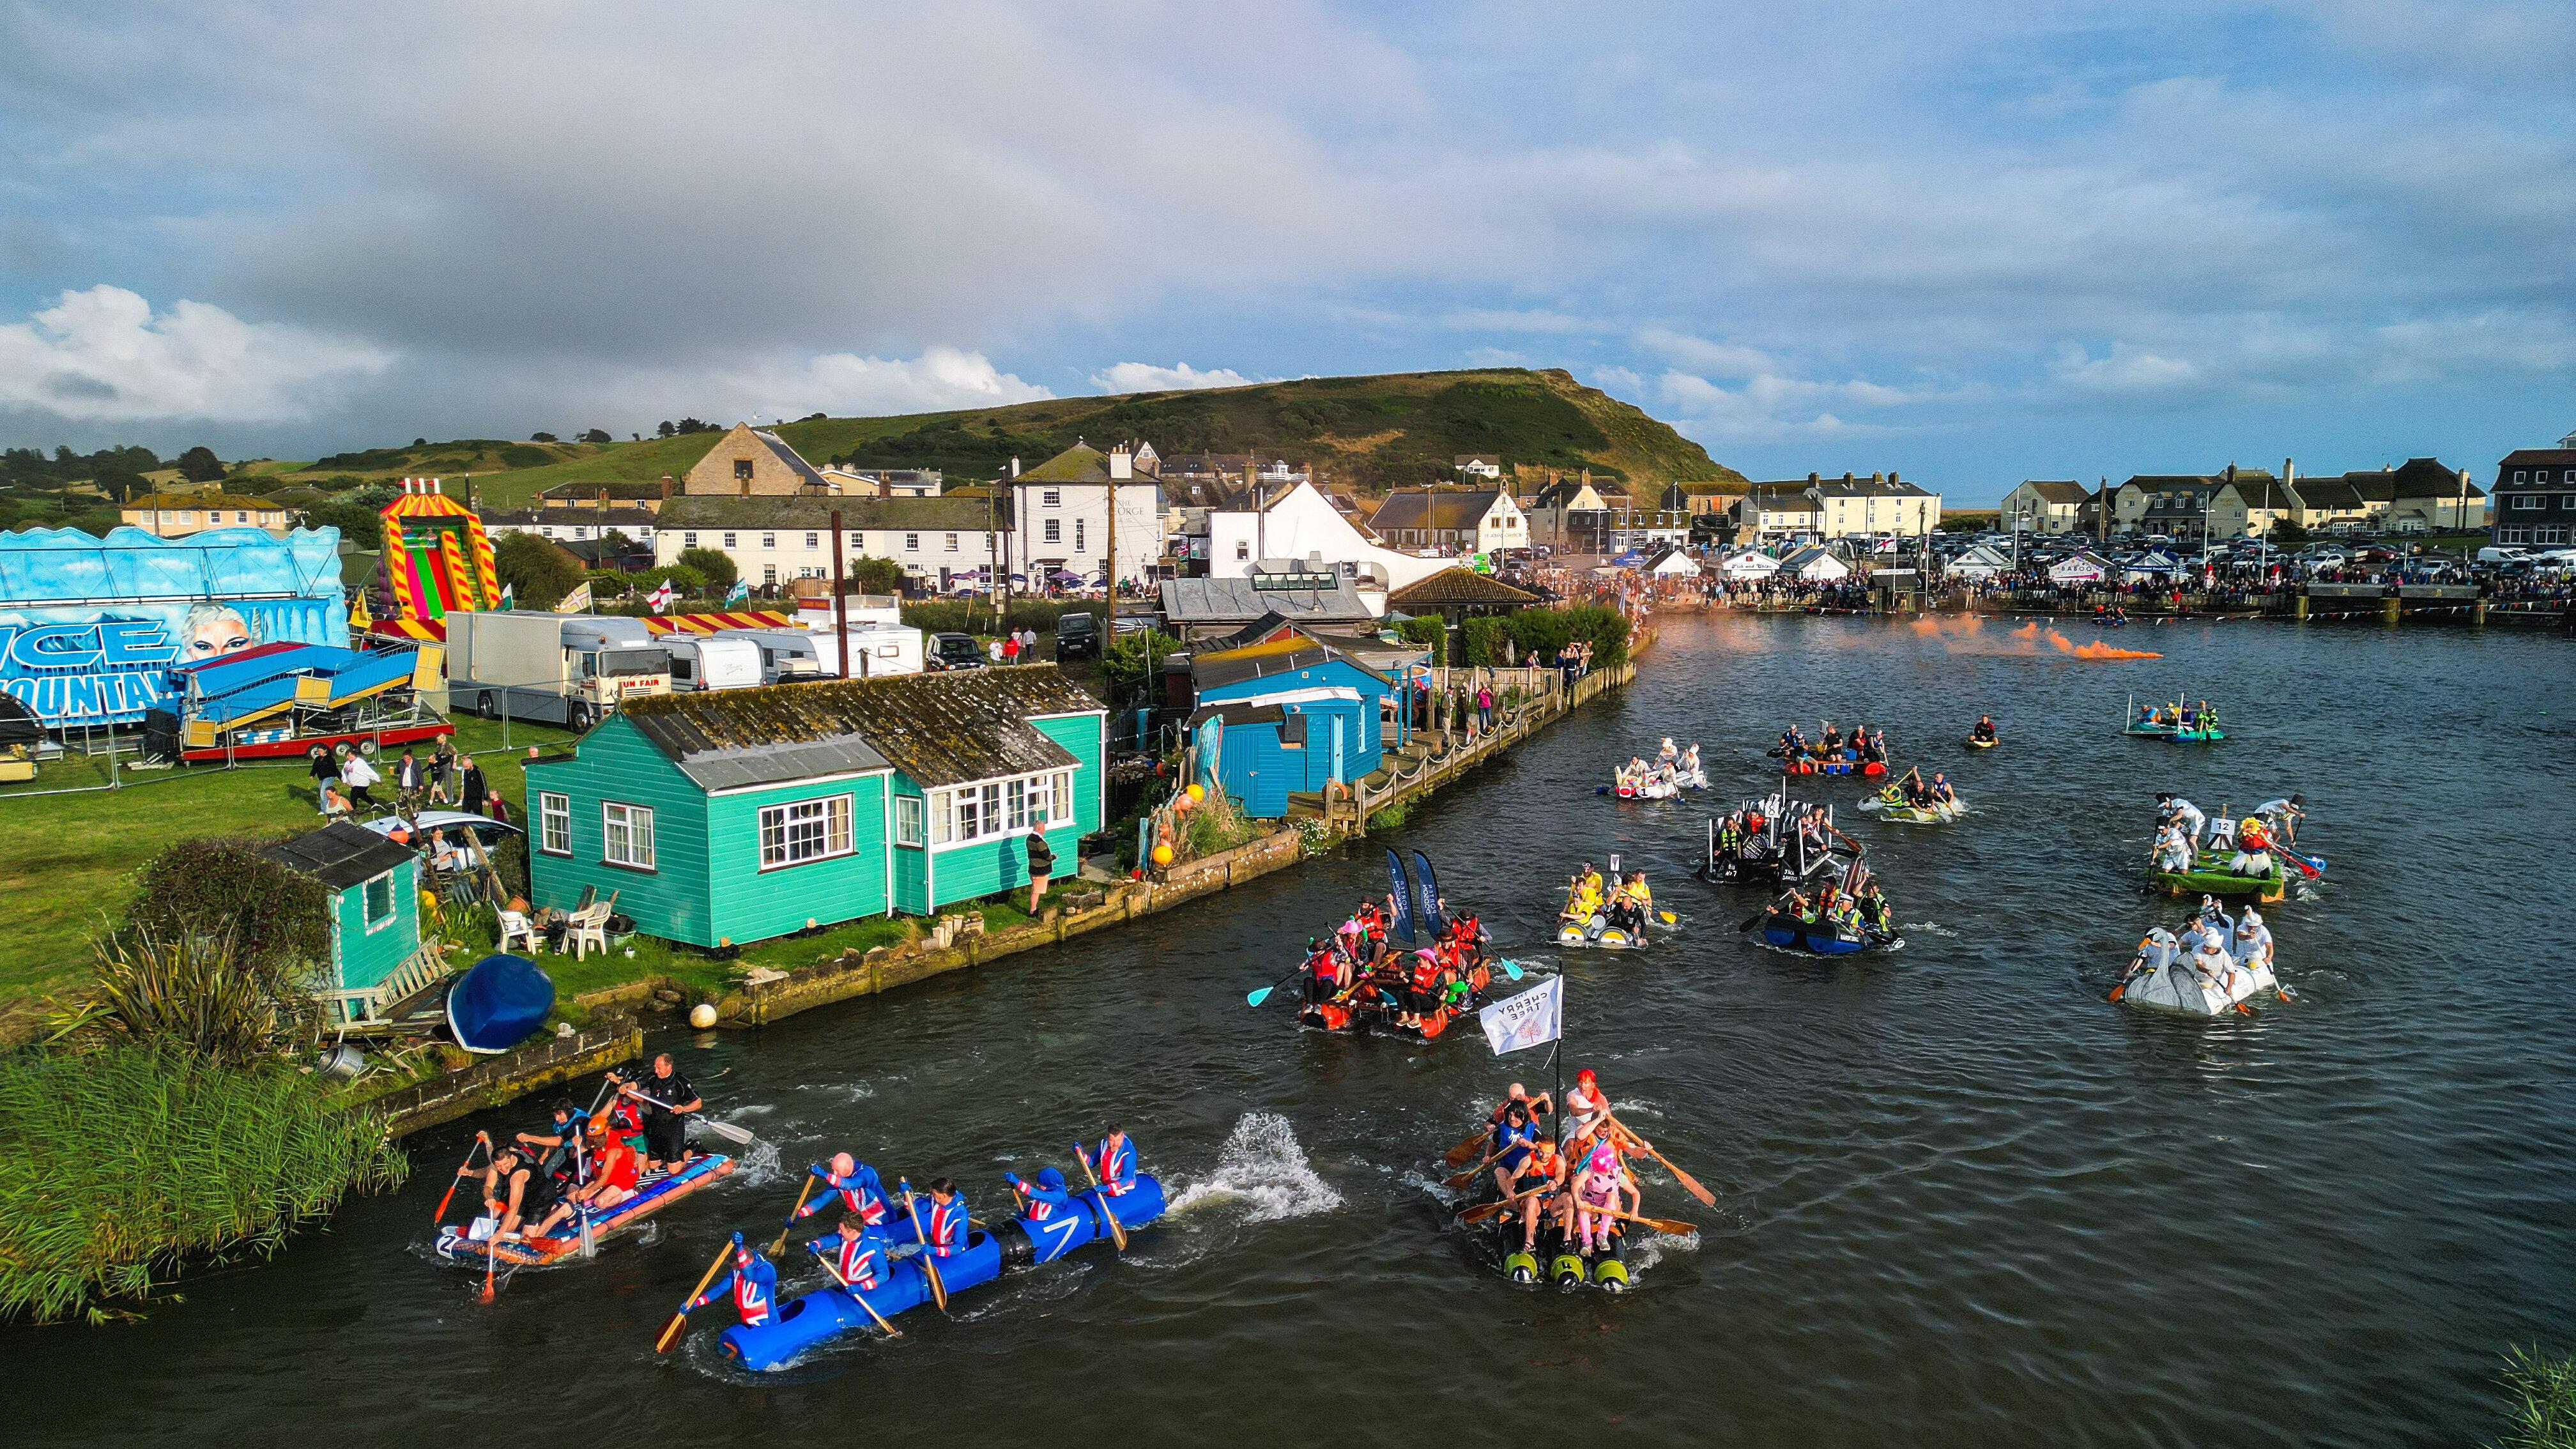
pixel 943 1220
pixel 1875 912
pixel 1046 1208
pixel 853 1184
pixel 1469 933
pixel 1541 1176
pixel 752 1283
pixel 1582 896
pixel 857 1250
pixel 1421 988
pixel 1116 1163
pixel 1326 973
pixel 1941 790
pixel 1372 922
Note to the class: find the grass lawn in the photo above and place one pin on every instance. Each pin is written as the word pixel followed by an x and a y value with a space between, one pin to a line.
pixel 67 861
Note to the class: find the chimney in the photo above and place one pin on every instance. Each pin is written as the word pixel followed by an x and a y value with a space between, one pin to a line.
pixel 666 487
pixel 1015 465
pixel 885 484
pixel 1122 464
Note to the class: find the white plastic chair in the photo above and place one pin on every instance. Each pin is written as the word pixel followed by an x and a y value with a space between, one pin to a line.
pixel 586 928
pixel 516 925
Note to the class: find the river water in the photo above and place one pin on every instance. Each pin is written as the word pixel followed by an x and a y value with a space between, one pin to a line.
pixel 1961 1199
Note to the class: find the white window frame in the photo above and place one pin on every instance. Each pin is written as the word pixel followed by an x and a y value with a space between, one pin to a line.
pixel 1054 530
pixel 1077 536
pixel 912 543
pixel 908 813
pixel 729 543
pixel 952 543
pixel 1051 497
pixel 1006 805
pixel 813 541
pixel 611 826
pixel 689 539
pixel 791 825
pixel 367 909
pixel 554 822
pixel 769 540
pixel 2529 500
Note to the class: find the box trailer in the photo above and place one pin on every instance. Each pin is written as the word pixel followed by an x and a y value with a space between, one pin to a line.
pixel 566 669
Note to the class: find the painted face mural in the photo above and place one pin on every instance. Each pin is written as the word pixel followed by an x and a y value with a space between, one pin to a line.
pixel 214 630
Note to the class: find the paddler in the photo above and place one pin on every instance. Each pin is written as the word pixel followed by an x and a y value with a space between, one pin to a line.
pixel 1046 1205
pixel 2252 943
pixel 1585 1105
pixel 1833 741
pixel 614 1171
pixel 1690 763
pixel 554 1143
pixel 1941 791
pixel 1984 729
pixel 1669 753
pixel 1513 1138
pixel 667 1099
pixel 752 1283
pixel 2172 809
pixel 513 1190
pixel 943 1223
pixel 856 1249
pixel 2173 849
pixel 2285 816
pixel 1421 989
pixel 1327 973
pixel 1116 1163
pixel 1596 1196
pixel 1541 1176
pixel 853 1184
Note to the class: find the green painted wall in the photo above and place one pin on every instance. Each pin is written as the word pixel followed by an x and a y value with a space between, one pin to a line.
pixel 979 868
pixel 367 957
pixel 614 762
pixel 752 904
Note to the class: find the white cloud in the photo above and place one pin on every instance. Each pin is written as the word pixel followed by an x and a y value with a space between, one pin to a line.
pixel 1716 359
pixel 1769 406
pixel 1532 319
pixel 1180 377
pixel 105 356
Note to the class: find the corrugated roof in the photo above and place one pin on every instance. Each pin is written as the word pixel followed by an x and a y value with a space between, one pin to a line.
pixel 940 729
pixel 1202 602
pixel 339 855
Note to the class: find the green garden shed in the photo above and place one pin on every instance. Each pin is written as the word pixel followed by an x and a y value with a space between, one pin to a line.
pixel 373 886
pixel 732 816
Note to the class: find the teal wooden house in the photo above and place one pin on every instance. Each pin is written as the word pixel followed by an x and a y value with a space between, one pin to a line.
pixel 373 886
pixel 726 817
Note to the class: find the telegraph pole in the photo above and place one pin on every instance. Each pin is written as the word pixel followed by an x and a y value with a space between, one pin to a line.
pixel 840 601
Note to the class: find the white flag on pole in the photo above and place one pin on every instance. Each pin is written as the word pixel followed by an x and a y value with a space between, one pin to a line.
pixel 1533 1018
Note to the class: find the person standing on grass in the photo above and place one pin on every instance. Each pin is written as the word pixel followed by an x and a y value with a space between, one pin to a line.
pixel 1011 647
pixel 360 777
pixel 1041 865
pixel 442 768
pixel 326 773
pixel 472 793
pixel 409 782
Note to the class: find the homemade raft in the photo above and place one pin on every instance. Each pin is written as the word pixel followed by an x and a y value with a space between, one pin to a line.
pixel 1556 1259
pixel 2209 876
pixel 1377 1010
pixel 652 1194
pixel 2170 976
pixel 1772 857
pixel 1780 928
pixel 827 1313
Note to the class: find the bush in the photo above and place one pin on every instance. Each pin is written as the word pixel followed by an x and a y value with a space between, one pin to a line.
pixel 275 917
pixel 961 616
pixel 537 573
pixel 195 993
pixel 1430 633
pixel 1485 642
pixel 714 568
pixel 1548 630
pixel 122 1162
pixel 1133 666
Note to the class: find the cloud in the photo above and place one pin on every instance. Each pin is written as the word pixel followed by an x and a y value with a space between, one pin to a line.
pixel 1769 406
pixel 104 355
pixel 1717 359
pixel 2126 371
pixel 1533 320
pixel 1147 377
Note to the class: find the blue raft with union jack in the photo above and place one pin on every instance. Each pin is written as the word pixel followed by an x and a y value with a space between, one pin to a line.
pixel 827 1313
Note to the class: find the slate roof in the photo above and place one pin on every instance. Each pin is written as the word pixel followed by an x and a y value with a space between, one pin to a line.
pixel 1868 488
pixel 940 729
pixel 1436 510
pixel 1458 588
pixel 586 516
pixel 2331 493
pixel 779 447
pixel 2058 490
pixel 339 855
pixel 947 513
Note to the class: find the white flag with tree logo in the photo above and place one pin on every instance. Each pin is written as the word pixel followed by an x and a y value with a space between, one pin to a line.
pixel 1533 1018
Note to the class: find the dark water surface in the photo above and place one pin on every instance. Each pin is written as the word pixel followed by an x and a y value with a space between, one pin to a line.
pixel 1961 1199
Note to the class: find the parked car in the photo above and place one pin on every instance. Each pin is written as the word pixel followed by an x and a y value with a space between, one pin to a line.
pixel 1077 635
pixel 954 651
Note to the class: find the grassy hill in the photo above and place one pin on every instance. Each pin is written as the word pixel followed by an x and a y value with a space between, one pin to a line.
pixel 1371 432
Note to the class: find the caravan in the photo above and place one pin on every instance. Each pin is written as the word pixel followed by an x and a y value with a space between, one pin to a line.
pixel 712 661
pixel 787 655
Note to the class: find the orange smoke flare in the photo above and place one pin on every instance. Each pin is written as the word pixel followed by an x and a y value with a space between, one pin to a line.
pixel 2099 650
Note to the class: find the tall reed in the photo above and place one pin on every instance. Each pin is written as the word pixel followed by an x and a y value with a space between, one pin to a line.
pixel 117 1165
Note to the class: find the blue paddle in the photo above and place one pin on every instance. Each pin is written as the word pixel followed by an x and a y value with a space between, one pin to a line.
pixel 1511 969
pixel 1255 998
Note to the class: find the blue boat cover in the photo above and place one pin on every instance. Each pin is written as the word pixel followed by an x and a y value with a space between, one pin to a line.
pixel 497 1004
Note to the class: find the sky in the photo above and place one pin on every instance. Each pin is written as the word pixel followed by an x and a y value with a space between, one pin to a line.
pixel 1970 243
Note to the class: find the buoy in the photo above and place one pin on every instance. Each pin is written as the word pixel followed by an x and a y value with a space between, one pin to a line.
pixel 702 1015
pixel 1198 792
pixel 1162 855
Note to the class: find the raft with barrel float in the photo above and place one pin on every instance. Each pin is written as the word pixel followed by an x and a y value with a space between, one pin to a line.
pixel 1343 1015
pixel 1557 1259
pixel 1846 764
pixel 816 1318
pixel 470 1243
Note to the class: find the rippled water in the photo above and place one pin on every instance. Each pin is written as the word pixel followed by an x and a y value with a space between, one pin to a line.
pixel 1961 1199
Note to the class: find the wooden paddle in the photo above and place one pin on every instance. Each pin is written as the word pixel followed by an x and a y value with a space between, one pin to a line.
pixel 929 1269
pixel 860 1298
pixel 482 1140
pixel 1117 1233
pixel 780 1246
pixel 1689 1183
pixel 1482 1212
pixel 1468 1147
pixel 1661 1225
pixel 1470 1175
pixel 679 1323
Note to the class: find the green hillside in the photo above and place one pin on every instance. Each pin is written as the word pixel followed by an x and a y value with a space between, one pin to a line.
pixel 1370 432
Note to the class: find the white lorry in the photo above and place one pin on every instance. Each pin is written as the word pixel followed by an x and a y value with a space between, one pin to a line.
pixel 712 661
pixel 566 669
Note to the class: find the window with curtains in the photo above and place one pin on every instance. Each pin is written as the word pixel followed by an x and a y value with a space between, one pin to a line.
pixel 962 814
pixel 804 830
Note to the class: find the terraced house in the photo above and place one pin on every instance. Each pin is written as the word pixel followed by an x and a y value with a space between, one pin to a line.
pixel 730 817
pixel 2535 496
pixel 774 540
